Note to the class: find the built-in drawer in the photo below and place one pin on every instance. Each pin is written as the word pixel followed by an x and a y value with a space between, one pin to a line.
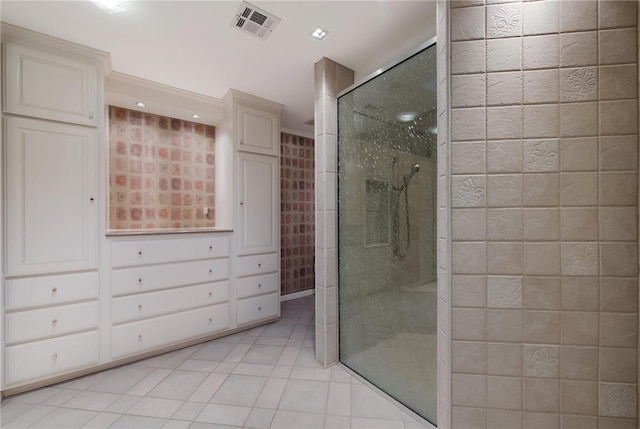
pixel 258 308
pixel 136 337
pixel 48 322
pixel 151 304
pixel 48 290
pixel 258 264
pixel 38 359
pixel 257 285
pixel 156 251
pixel 148 278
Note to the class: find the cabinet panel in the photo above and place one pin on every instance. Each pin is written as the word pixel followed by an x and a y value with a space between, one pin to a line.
pixel 142 252
pixel 257 308
pixel 58 289
pixel 148 278
pixel 259 204
pixel 52 321
pixel 51 193
pixel 49 357
pixel 47 86
pixel 258 285
pixel 140 306
pixel 136 337
pixel 258 131
pixel 258 264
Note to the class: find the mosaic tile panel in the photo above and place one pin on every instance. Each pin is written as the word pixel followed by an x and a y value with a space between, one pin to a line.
pixel 297 208
pixel 161 172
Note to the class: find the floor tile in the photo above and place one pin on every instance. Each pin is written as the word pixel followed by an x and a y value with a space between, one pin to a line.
pixel 155 407
pixel 304 395
pixel 303 373
pixel 149 382
pixel 31 416
pixel 367 403
pixel 122 404
pixel 281 371
pixel 176 424
pixel 260 418
pixel 253 369
pixel 294 420
pixel 37 396
pixel 188 411
pixel 61 397
pixel 92 401
pixel 337 422
pixel 12 410
pixel 208 388
pixel 121 379
pixel 102 421
pixel 224 414
pixel 289 356
pixel 272 392
pixel 178 385
pixel 239 390
pixel 363 423
pixel 271 341
pixel 278 331
pixel 225 367
pixel 65 418
pixel 262 354
pixel 237 353
pixel 307 358
pixel 138 422
pixel 198 365
pixel 214 350
pixel 339 402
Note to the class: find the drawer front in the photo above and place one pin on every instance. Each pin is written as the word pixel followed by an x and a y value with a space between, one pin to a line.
pixel 48 322
pixel 35 291
pixel 137 337
pixel 258 264
pixel 144 279
pixel 50 357
pixel 257 308
pixel 258 285
pixel 141 306
pixel 143 252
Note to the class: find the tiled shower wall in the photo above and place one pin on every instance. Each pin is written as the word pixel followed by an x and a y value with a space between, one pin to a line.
pixel 544 187
pixel 297 213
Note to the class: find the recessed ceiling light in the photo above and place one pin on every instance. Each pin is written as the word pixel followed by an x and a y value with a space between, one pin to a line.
pixel 407 116
pixel 319 33
pixel 196 116
pixel 140 104
pixel 111 6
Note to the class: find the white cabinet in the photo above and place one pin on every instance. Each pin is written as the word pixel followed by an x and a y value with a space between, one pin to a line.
pixel 50 86
pixel 51 196
pixel 258 287
pixel 258 130
pixel 259 204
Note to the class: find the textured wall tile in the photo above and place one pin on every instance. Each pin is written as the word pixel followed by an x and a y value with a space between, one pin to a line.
pixel 618 189
pixel 618 223
pixel 504 224
pixel 467 158
pixel 504 20
pixel 617 13
pixel 468 90
pixel 504 258
pixel 504 359
pixel 579 154
pixel 618 153
pixel 540 52
pixel 579 397
pixel 469 417
pixel 618 330
pixel 541 395
pixel 467 124
pixel 616 423
pixel 541 420
pixel 468 191
pixel 619 259
pixel 579 84
pixel 580 293
pixel 540 155
pixel 504 156
pixel 579 363
pixel 468 390
pixel 619 117
pixel 541 190
pixel 618 365
pixel 504 123
pixel 541 120
pixel 504 392
pixel 618 82
pixel 504 325
pixel 504 292
pixel 468 224
pixel 578 15
pixel 504 54
pixel 580 328
pixel 467 57
pixel 540 17
pixel 618 400
pixel 541 86
pixel 468 258
pixel 579 49
pixel 579 189
pixel 541 258
pixel 468 357
pixel 579 224
pixel 465 3
pixel 498 418
pixel 541 224
pixel 504 190
pixel 569 421
pixel 468 291
pixel 541 327
pixel 541 361
pixel 618 46
pixel 579 259
pixel 578 119
pixel 542 293
pixel 504 88
pixel 467 23
pixel 618 295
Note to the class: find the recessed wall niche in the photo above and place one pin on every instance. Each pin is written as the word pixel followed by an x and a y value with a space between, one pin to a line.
pixel 161 172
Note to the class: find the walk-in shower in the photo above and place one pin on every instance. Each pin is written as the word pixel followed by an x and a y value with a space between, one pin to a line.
pixel 387 231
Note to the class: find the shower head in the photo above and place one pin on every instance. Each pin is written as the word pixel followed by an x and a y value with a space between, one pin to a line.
pixel 415 168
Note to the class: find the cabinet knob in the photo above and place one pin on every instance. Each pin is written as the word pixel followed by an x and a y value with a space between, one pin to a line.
pixel 210 320
pixel 139 252
pixel 54 290
pixel 259 308
pixel 140 337
pixel 210 247
pixel 210 294
pixel 259 285
pixel 140 307
pixel 140 280
pixel 91 199
pixel 54 356
pixel 210 271
pixel 54 321
pixel 242 203
pixel 259 264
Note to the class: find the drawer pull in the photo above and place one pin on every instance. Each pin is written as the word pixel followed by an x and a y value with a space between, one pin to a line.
pixel 259 285
pixel 210 294
pixel 259 308
pixel 140 252
pixel 140 280
pixel 259 264
pixel 140 337
pixel 54 356
pixel 54 321
pixel 210 247
pixel 210 320
pixel 54 290
pixel 210 271
pixel 140 307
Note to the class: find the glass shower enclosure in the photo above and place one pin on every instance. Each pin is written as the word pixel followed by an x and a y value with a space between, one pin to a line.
pixel 387 231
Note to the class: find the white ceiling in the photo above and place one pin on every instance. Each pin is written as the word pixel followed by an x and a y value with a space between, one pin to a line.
pixel 191 44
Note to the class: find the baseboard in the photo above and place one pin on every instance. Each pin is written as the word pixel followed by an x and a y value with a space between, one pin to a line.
pixel 302 293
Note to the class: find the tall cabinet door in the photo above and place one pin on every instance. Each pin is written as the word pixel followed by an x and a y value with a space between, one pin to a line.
pixel 51 193
pixel 258 231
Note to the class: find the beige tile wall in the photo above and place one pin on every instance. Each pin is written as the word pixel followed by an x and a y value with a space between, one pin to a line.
pixel 544 195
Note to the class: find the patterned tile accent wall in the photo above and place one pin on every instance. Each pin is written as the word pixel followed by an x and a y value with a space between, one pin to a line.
pixel 544 258
pixel 297 213
pixel 161 172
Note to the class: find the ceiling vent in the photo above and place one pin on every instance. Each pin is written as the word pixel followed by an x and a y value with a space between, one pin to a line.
pixel 255 21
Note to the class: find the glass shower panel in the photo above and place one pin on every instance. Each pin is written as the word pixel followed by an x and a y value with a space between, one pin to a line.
pixel 387 231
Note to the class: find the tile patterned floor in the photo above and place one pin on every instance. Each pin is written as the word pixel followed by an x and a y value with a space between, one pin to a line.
pixel 263 378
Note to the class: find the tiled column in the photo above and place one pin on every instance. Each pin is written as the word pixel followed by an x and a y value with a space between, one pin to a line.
pixel 330 79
